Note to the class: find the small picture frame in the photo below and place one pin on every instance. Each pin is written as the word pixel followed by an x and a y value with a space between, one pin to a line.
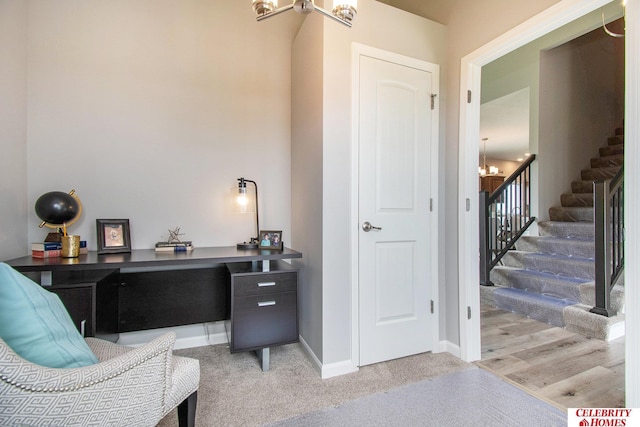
pixel 113 236
pixel 270 239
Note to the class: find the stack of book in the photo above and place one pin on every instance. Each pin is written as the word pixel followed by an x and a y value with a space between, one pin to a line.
pixel 174 246
pixel 46 249
pixel 52 249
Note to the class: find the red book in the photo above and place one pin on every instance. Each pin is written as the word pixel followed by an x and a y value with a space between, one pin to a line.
pixel 47 254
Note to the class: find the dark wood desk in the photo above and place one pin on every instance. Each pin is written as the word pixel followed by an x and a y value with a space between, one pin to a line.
pixel 146 289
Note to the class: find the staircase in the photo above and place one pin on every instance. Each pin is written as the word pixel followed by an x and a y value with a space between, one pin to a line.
pixel 550 277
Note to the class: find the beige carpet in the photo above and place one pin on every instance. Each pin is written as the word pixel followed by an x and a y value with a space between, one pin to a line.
pixel 235 392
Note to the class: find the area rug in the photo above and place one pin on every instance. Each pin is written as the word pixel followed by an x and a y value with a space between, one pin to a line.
pixel 472 397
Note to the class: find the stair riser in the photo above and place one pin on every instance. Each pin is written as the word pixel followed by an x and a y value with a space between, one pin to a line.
pixel 611 150
pixel 582 187
pixel 564 247
pixel 569 200
pixel 570 230
pixel 571 214
pixel 554 287
pixel 532 308
pixel 600 173
pixel 608 161
pixel 583 269
pixel 616 140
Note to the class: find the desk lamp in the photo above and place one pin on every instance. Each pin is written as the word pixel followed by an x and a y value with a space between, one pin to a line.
pixel 243 201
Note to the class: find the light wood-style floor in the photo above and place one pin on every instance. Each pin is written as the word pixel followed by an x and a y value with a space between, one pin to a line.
pixel 563 368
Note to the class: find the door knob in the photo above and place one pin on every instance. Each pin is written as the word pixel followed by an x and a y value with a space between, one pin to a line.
pixel 366 226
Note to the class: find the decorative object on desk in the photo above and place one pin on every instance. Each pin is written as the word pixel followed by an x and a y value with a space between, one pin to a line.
pixel 243 202
pixel 343 10
pixel 174 235
pixel 271 239
pixel 58 210
pixel 70 246
pixel 113 236
pixel 185 246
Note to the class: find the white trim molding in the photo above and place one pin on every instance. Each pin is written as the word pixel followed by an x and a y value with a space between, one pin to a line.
pixel 632 188
pixel 469 137
pixel 358 50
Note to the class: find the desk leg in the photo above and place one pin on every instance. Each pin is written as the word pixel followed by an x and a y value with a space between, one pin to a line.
pixel 46 278
pixel 263 356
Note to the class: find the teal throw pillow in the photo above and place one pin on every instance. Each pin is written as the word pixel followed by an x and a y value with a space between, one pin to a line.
pixel 37 326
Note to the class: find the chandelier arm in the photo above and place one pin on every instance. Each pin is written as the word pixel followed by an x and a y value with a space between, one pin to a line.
pixel 275 12
pixel 332 16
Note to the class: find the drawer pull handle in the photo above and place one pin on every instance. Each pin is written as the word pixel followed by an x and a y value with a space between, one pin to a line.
pixel 260 285
pixel 266 303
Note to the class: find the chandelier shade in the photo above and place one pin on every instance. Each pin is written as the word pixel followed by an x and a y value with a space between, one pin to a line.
pixel 344 11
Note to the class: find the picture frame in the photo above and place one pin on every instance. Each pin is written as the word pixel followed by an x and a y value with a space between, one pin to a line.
pixel 114 236
pixel 270 239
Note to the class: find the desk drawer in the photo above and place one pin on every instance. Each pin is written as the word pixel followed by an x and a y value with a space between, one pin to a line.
pixel 260 284
pixel 264 321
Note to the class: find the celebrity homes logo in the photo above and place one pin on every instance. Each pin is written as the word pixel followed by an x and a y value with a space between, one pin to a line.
pixel 603 417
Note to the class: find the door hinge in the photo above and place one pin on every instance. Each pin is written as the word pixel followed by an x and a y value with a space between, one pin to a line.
pixel 433 100
pixel 430 205
pixel 468 97
pixel 468 313
pixel 432 307
pixel 468 201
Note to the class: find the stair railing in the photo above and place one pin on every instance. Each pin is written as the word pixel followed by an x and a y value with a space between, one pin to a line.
pixel 504 217
pixel 608 202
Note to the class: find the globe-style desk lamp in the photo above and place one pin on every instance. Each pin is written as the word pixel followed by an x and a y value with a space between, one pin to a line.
pixel 57 210
pixel 243 201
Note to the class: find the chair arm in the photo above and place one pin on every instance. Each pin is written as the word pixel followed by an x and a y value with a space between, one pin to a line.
pixel 129 389
pixel 23 374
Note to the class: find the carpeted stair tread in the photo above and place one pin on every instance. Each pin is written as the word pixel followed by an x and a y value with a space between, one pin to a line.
pixel 567 288
pixel 610 150
pixel 599 173
pixel 546 276
pixel 570 230
pixel 607 161
pixel 539 307
pixel 569 200
pixel 571 214
pixel 584 248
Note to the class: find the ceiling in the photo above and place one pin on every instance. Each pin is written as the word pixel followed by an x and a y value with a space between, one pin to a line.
pixel 435 10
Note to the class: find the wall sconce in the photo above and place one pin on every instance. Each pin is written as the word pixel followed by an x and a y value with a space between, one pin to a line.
pixel 243 202
pixel 343 10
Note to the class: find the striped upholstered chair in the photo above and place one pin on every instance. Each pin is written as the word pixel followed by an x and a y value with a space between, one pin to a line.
pixel 51 376
pixel 128 387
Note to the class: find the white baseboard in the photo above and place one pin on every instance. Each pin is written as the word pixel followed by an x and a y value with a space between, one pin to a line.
pixel 448 347
pixel 187 336
pixel 330 370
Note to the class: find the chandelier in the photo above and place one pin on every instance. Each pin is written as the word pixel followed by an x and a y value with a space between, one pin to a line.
pixel 343 10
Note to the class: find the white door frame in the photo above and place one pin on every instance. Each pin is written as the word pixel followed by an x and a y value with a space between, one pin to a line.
pixel 470 77
pixel 357 50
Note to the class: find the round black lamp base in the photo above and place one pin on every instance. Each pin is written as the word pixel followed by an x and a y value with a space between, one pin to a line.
pixel 247 245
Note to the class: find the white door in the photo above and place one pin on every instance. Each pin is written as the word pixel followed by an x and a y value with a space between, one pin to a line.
pixel 395 130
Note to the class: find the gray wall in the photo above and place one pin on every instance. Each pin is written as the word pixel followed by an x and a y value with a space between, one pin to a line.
pixel 13 99
pixel 521 69
pixel 329 257
pixel 581 104
pixel 151 111
pixel 472 25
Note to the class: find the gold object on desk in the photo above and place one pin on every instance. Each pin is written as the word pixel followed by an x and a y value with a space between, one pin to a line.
pixel 70 246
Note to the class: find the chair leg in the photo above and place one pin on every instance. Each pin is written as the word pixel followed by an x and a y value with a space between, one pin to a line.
pixel 187 411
